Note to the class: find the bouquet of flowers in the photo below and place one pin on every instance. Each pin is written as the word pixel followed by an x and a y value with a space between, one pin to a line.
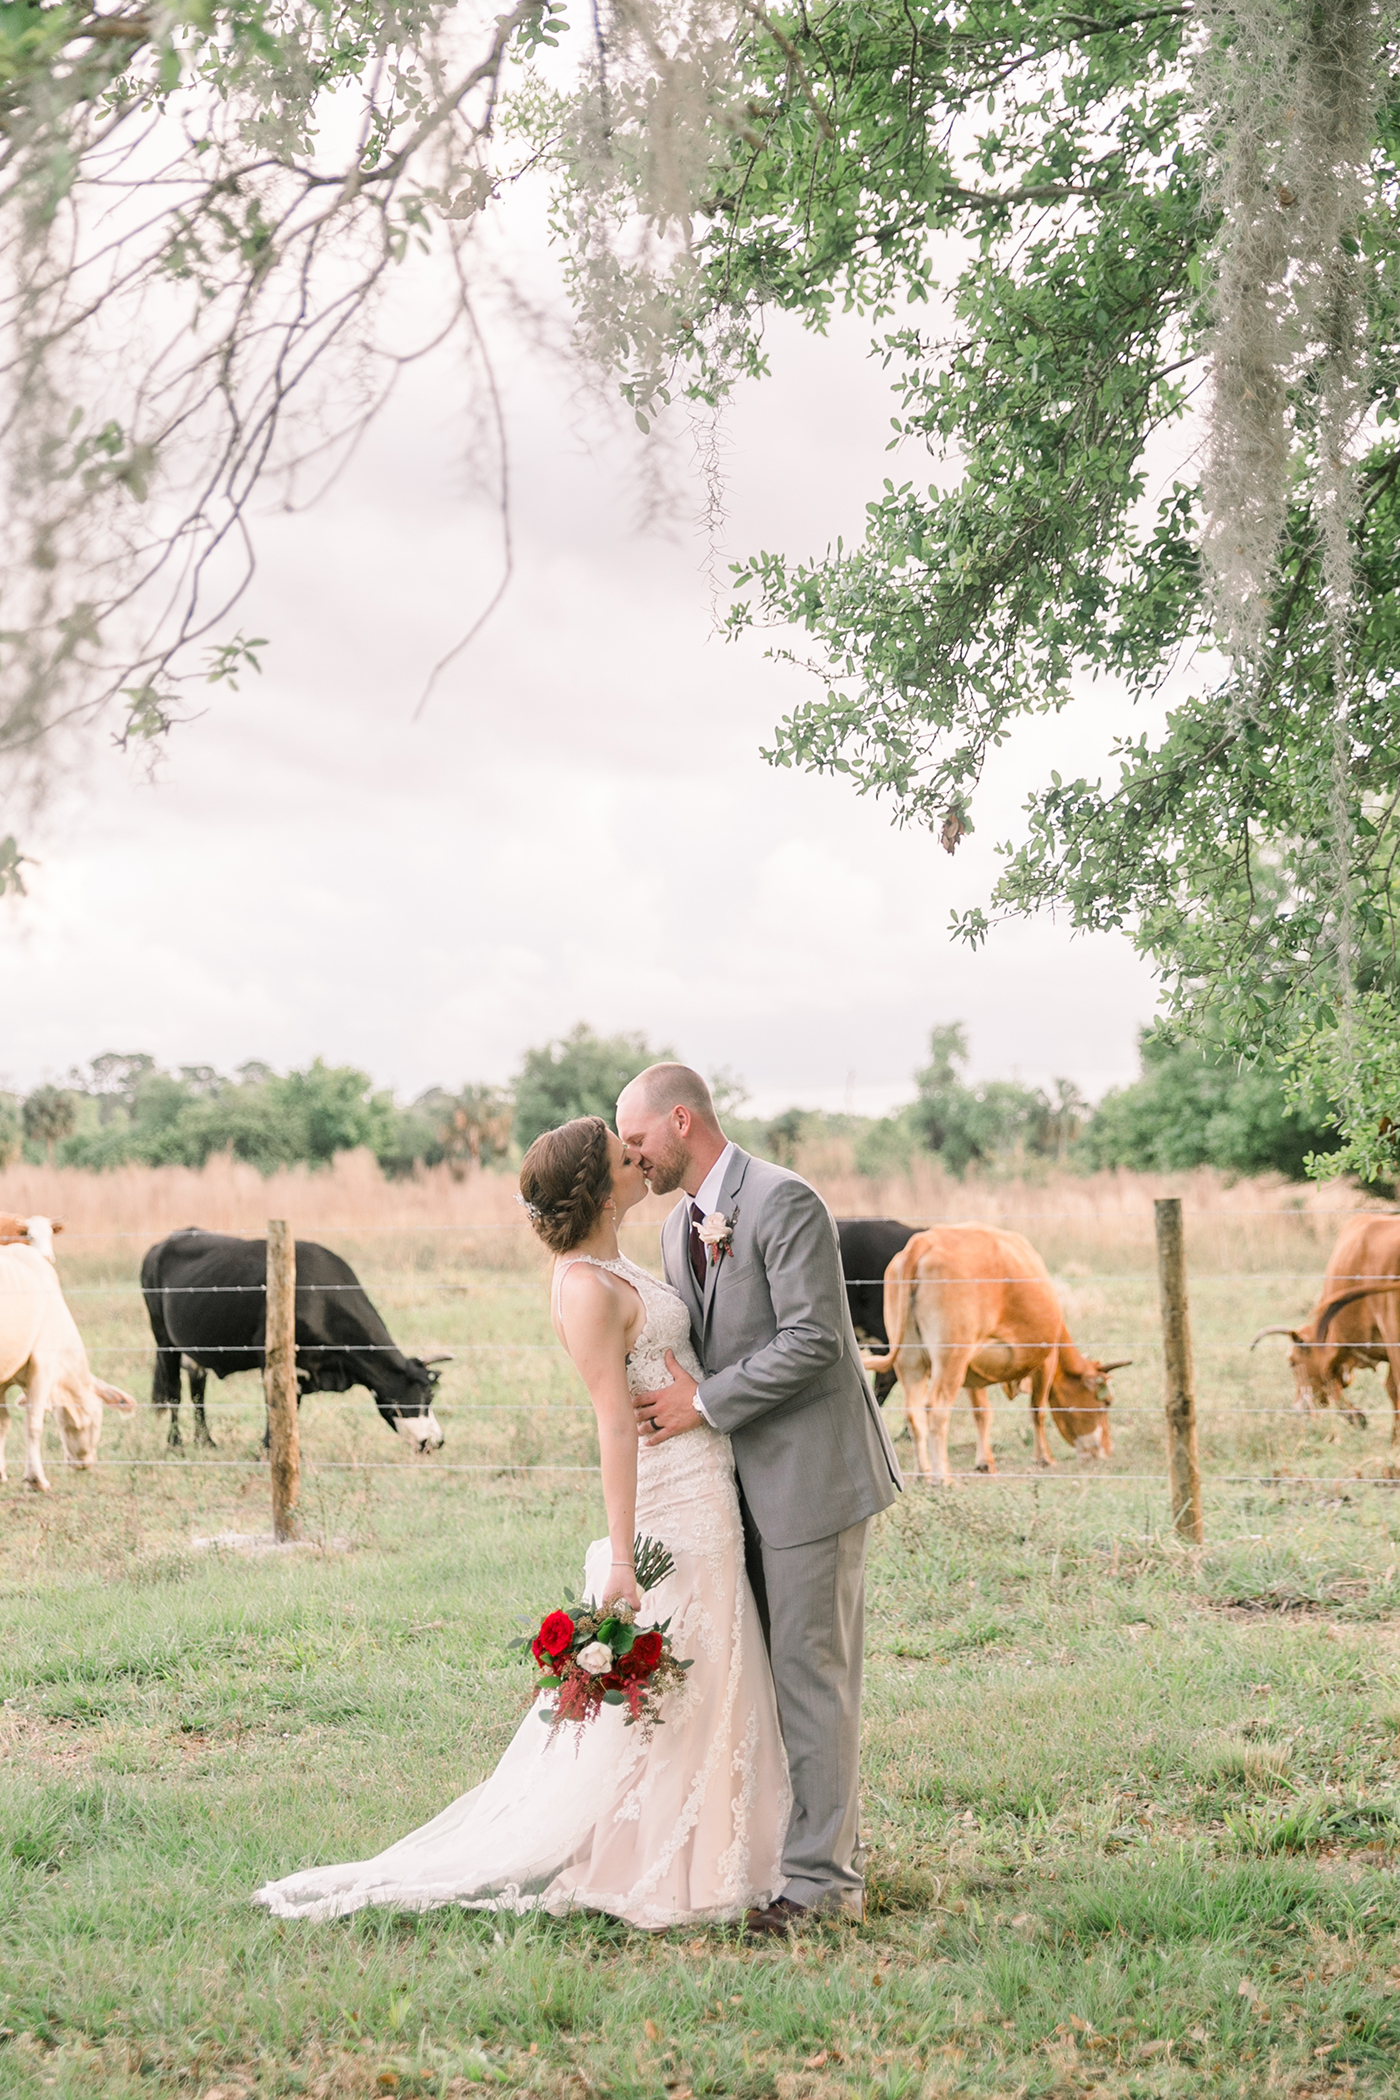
pixel 594 1655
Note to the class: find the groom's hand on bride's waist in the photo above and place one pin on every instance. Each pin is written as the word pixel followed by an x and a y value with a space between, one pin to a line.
pixel 669 1411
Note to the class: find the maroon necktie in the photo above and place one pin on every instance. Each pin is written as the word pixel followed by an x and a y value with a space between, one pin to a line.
pixel 697 1247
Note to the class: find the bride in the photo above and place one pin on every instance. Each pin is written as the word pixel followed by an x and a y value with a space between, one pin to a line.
pixel 690 1825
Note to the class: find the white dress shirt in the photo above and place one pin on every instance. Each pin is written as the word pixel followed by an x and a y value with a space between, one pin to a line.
pixel 707 1198
pixel 707 1195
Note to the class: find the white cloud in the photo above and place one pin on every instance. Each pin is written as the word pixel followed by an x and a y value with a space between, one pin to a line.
pixel 580 826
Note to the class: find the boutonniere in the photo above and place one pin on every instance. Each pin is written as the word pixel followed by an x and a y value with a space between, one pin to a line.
pixel 717 1233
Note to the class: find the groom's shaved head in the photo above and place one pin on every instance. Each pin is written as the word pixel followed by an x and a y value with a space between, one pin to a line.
pixel 663 1087
pixel 666 1117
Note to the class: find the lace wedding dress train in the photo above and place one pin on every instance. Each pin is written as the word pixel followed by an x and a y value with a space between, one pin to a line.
pixel 687 1827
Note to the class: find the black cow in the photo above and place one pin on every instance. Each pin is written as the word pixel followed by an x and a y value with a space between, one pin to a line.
pixel 206 1294
pixel 868 1246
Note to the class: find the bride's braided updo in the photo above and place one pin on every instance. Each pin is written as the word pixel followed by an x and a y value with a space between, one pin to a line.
pixel 565 1179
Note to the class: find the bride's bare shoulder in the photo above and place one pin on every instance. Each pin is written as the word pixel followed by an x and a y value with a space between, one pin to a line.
pixel 594 1296
pixel 582 1280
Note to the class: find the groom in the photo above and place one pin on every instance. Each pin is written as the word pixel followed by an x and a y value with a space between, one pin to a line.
pixel 754 1253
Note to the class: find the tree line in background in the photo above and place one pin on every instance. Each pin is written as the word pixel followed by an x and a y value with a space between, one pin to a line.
pixel 127 1110
pixel 1191 1107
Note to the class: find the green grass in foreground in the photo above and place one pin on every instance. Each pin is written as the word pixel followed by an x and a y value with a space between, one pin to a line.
pixel 1133 1811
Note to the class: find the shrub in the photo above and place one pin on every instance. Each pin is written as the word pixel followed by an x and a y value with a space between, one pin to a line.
pixel 1194 1107
pixel 580 1074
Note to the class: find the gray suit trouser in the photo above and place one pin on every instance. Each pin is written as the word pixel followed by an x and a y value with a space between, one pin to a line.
pixel 811 1602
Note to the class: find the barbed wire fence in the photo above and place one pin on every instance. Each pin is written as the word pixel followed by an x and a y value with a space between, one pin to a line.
pixel 1179 1413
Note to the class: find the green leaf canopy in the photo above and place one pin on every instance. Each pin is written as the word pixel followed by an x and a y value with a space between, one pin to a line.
pixel 1041 172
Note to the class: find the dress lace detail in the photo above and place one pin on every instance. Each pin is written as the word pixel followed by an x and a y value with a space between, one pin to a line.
pixel 697 1464
pixel 688 1827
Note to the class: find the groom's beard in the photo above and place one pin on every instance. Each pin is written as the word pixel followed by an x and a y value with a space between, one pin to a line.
pixel 667 1170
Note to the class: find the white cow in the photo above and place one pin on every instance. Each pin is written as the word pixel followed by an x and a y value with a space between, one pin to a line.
pixel 42 1351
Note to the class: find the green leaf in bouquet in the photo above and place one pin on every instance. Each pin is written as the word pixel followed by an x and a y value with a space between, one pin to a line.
pixel 652 1562
pixel 613 1699
pixel 552 1684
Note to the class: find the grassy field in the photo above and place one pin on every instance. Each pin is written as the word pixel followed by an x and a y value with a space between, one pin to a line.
pixel 1133 1810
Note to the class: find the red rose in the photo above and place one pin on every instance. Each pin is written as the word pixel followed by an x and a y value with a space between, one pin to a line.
pixel 644 1654
pixel 553 1638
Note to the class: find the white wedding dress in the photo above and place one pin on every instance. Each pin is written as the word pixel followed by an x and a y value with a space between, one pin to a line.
pixel 687 1827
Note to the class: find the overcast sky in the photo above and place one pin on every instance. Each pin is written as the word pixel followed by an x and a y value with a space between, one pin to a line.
pixel 580 828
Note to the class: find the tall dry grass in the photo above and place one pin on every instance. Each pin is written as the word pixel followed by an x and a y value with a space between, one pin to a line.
pixel 930 1195
pixel 350 1195
pixel 1102 1219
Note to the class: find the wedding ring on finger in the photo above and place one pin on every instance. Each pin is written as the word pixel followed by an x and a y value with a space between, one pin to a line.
pixel 655 1426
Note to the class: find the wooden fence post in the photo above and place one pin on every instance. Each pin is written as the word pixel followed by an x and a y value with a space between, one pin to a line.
pixel 1183 1455
pixel 280 1378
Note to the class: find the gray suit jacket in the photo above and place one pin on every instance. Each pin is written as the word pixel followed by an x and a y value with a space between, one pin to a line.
pixel 783 1374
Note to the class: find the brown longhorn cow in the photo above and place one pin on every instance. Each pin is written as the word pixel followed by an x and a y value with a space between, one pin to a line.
pixel 1355 1325
pixel 972 1305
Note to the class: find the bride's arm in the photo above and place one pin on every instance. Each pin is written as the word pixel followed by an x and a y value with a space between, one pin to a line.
pixel 595 1336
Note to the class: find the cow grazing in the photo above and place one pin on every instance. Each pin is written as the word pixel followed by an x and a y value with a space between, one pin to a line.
pixel 1355 1325
pixel 971 1305
pixel 42 1351
pixel 868 1246
pixel 206 1294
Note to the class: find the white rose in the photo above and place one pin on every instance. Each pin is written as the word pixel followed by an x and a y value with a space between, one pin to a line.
pixel 715 1229
pixel 596 1658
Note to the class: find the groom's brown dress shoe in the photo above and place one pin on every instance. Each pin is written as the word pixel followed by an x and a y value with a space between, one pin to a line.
pixel 779 1917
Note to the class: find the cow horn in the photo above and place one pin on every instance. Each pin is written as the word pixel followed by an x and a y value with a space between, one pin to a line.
pixel 446 1357
pixel 1120 1364
pixel 1291 1332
